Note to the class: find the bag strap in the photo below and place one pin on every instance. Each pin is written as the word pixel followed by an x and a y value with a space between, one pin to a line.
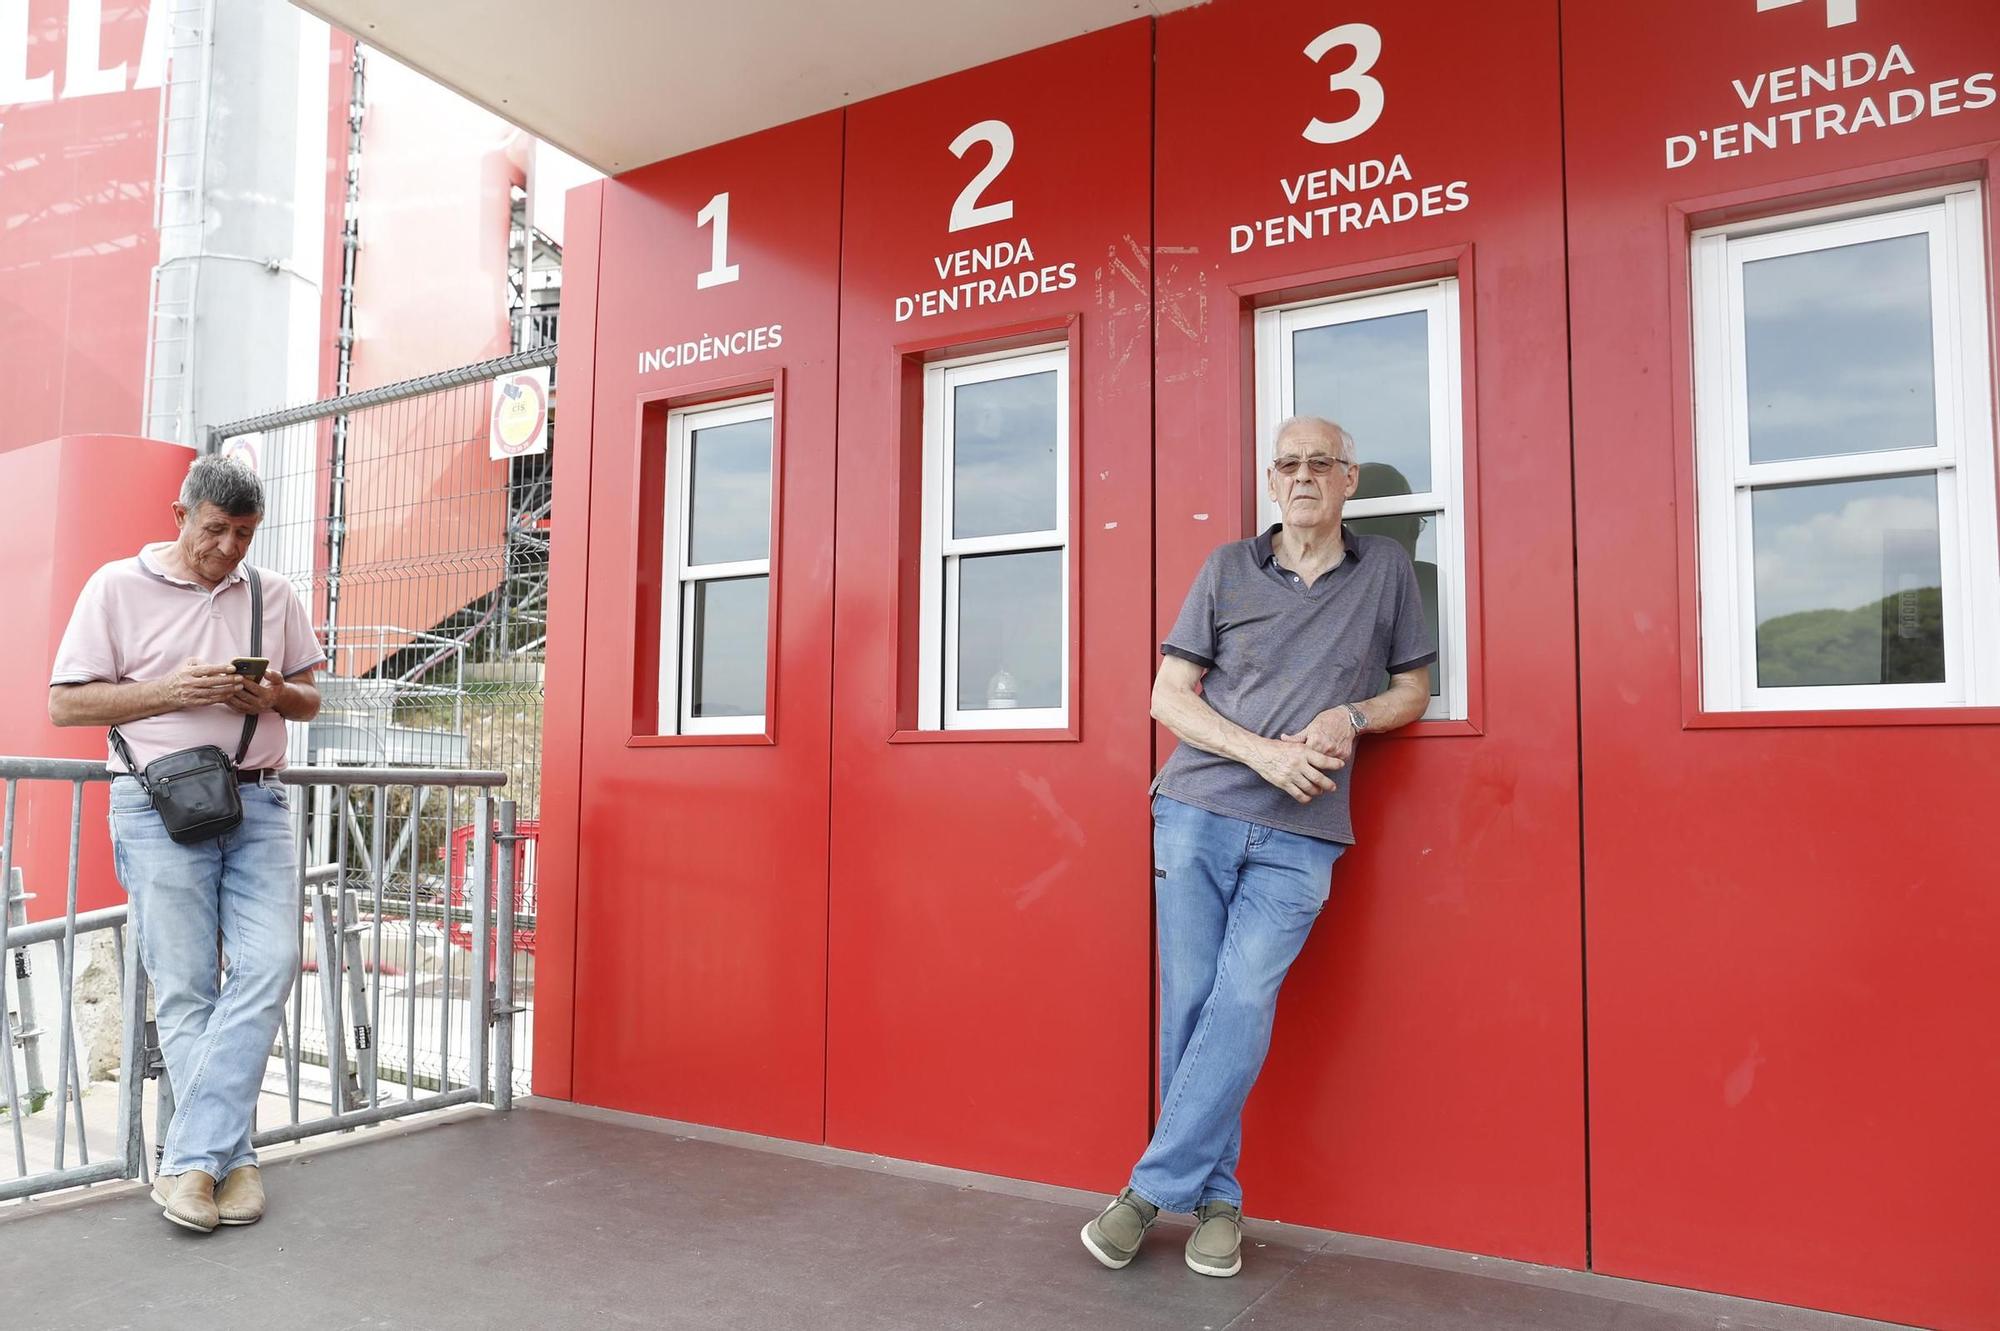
pixel 256 649
pixel 125 756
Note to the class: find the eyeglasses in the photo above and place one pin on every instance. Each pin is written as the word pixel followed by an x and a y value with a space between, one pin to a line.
pixel 1319 464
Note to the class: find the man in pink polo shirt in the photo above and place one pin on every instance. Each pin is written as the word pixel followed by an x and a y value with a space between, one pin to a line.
pixel 148 650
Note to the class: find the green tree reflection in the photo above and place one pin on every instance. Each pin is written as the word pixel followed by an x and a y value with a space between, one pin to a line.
pixel 1897 640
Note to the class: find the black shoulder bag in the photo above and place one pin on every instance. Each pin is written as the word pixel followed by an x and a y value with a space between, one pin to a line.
pixel 195 790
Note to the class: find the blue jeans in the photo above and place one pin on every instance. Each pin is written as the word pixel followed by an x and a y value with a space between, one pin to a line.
pixel 215 1029
pixel 1235 901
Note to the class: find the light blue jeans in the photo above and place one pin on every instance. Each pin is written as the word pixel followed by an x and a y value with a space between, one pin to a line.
pixel 1235 901
pixel 215 1029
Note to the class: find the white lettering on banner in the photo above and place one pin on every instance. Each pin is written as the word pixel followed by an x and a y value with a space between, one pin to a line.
pixel 84 73
pixel 1342 213
pixel 1878 108
pixel 709 347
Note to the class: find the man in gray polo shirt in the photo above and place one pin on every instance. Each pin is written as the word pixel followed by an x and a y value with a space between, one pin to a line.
pixel 1288 636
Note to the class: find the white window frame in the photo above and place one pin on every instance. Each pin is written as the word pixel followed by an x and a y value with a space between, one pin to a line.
pixel 1961 458
pixel 677 573
pixel 1274 328
pixel 937 701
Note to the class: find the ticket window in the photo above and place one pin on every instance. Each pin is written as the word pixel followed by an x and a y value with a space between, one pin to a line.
pixel 1385 367
pixel 995 616
pixel 1844 449
pixel 715 574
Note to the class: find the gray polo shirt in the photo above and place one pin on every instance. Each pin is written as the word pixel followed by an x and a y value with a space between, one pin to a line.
pixel 1278 653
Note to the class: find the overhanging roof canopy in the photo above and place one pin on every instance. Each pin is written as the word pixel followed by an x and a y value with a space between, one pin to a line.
pixel 620 83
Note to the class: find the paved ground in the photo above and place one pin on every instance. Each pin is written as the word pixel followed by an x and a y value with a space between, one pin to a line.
pixel 554 1218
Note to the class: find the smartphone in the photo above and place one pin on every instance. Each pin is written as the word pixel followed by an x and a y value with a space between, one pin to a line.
pixel 250 667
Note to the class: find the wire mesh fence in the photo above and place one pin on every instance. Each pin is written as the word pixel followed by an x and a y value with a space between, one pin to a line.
pixel 424 563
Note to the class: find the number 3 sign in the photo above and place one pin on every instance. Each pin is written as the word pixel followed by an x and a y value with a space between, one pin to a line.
pixel 1367 44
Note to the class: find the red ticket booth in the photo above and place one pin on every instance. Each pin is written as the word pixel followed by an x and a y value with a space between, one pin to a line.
pixel 686 807
pixel 899 432
pixel 1781 239
pixel 1341 235
pixel 989 957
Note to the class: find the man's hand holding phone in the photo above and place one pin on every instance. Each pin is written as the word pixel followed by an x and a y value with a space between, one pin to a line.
pixel 258 687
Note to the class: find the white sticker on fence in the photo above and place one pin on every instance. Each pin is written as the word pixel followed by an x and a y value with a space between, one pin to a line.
pixel 520 421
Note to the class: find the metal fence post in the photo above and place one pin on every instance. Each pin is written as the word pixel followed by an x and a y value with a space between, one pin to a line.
pixel 503 967
pixel 65 1055
pixel 29 1033
pixel 479 885
pixel 132 1061
pixel 8 874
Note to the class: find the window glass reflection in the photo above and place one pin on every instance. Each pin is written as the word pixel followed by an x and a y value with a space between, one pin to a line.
pixel 1848 577
pixel 729 493
pixel 1837 345
pixel 1417 534
pixel 1004 456
pixel 1010 631
pixel 1373 378
pixel 727 619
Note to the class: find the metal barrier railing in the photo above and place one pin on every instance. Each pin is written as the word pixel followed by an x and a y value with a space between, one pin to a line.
pixel 341 906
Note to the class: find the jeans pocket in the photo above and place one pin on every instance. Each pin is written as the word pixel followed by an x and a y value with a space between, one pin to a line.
pixel 128 796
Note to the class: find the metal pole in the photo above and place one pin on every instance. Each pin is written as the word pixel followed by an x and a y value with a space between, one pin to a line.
pixel 444 946
pixel 132 1057
pixel 7 875
pixel 503 969
pixel 30 1030
pixel 67 997
pixel 374 1086
pixel 410 955
pixel 301 842
pixel 481 882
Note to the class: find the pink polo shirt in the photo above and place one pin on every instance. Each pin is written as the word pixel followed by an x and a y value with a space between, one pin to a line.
pixel 134 623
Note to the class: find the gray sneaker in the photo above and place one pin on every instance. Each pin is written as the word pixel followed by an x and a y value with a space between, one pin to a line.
pixel 1216 1246
pixel 1114 1237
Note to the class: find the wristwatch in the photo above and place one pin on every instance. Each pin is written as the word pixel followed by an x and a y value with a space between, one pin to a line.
pixel 1357 716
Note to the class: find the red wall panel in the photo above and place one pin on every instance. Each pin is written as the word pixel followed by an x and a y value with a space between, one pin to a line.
pixel 700 881
pixel 1791 927
pixel 125 485
pixel 1426 1079
pixel 989 959
pixel 570 592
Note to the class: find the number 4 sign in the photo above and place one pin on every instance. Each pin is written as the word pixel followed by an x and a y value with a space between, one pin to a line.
pixel 1839 13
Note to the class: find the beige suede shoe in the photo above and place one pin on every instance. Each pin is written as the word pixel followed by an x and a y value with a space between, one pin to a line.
pixel 1216 1246
pixel 1113 1238
pixel 187 1199
pixel 240 1200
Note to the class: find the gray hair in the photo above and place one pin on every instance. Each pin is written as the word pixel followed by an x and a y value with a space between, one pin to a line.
pixel 1320 424
pixel 224 482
